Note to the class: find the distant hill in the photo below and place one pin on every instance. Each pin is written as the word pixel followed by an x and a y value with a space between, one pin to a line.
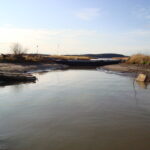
pixel 105 55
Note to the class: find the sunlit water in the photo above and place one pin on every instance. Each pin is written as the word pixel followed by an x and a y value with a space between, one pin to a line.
pixel 75 110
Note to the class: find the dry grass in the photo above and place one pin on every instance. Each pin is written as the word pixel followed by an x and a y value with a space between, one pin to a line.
pixel 29 58
pixel 139 59
pixel 70 57
pixel 23 58
pixel 7 58
pixel 38 58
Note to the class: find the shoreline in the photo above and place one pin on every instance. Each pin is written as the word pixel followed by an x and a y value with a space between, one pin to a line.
pixel 139 72
pixel 127 68
pixel 12 73
pixel 29 68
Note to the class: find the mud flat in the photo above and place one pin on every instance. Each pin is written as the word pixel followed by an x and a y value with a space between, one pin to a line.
pixel 24 68
pixel 126 68
pixel 136 71
pixel 21 73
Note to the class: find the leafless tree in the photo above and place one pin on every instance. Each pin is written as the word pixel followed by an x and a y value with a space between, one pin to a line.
pixel 17 49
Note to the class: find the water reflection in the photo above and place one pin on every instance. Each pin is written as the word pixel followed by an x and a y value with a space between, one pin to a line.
pixel 3 84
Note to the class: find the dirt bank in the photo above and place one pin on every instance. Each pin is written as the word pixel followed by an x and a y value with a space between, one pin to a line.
pixel 127 68
pixel 22 68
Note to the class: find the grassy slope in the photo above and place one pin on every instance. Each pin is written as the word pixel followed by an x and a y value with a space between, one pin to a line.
pixel 139 59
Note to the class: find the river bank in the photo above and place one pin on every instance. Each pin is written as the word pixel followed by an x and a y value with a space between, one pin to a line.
pixel 22 72
pixel 26 68
pixel 141 73
pixel 127 68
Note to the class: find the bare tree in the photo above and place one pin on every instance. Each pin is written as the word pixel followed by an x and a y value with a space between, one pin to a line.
pixel 17 49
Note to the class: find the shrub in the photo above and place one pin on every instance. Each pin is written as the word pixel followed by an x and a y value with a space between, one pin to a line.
pixel 18 50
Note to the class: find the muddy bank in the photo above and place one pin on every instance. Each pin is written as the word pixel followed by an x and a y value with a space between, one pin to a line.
pixel 11 73
pixel 127 68
pixel 88 63
pixel 25 68
pixel 17 77
pixel 141 73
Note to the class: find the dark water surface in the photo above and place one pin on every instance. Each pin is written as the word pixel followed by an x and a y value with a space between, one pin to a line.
pixel 75 110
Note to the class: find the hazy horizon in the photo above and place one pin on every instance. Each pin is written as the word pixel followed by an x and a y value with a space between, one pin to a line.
pixel 76 27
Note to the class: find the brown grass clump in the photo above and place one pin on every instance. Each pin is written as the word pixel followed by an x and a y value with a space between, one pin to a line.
pixel 9 58
pixel 24 59
pixel 139 59
pixel 29 58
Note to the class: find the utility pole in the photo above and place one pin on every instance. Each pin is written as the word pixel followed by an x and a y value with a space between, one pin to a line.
pixel 37 50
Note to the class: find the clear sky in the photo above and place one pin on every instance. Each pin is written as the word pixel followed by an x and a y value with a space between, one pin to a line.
pixel 76 26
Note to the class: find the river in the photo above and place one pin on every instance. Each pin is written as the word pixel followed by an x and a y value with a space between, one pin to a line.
pixel 75 110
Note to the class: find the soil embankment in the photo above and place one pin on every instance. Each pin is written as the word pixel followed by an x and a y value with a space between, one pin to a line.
pixel 127 68
pixel 131 69
pixel 14 73
pixel 22 68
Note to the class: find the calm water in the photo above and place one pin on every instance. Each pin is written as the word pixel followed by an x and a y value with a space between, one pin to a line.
pixel 75 110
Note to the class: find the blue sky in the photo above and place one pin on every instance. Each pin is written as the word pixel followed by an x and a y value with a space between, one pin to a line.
pixel 75 26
